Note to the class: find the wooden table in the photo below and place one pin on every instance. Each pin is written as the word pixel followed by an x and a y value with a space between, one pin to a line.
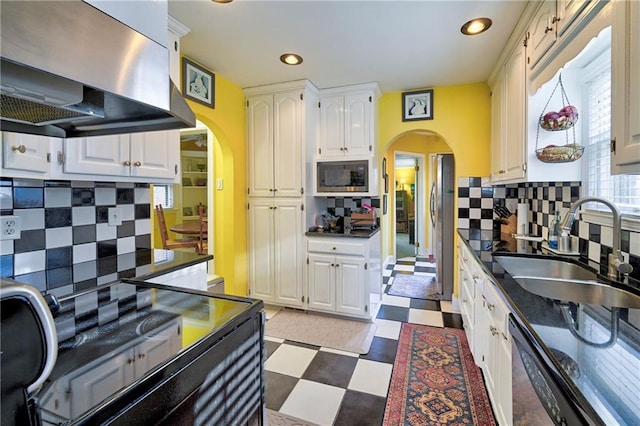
pixel 187 228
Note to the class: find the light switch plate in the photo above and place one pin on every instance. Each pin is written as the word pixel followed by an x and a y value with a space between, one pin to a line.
pixel 219 183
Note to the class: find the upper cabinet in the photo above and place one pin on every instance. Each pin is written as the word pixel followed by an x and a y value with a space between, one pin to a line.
pixel 149 157
pixel 508 112
pixel 625 73
pixel 25 156
pixel 279 127
pixel 347 125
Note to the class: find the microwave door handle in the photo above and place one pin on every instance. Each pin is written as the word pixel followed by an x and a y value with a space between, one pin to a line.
pixel 432 205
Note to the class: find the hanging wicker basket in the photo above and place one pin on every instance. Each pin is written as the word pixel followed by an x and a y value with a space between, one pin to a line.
pixel 553 121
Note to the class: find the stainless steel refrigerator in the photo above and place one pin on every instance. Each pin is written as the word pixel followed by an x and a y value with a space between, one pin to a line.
pixel 442 220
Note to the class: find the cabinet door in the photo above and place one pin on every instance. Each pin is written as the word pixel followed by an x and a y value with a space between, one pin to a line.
pixel 331 142
pixel 542 32
pixel 350 286
pixel 288 252
pixel 93 385
pixel 625 73
pixel 514 118
pixel 322 272
pixel 26 153
pixel 497 103
pixel 98 155
pixel 155 154
pixel 260 145
pixel 288 146
pixel 568 10
pixel 260 241
pixel 357 124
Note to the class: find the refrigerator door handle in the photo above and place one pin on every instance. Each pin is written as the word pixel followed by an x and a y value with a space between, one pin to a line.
pixel 432 203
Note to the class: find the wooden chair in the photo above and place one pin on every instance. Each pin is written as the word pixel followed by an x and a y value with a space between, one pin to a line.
pixel 201 246
pixel 167 243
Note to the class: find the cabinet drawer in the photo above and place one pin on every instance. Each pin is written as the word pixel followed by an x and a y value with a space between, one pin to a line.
pixel 337 247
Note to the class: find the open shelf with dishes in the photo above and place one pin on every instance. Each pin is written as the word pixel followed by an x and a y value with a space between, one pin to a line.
pixel 193 188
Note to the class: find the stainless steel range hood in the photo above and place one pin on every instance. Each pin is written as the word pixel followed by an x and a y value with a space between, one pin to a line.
pixel 70 70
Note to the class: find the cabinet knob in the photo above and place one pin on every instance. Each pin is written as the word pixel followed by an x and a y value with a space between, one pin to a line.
pixel 126 163
pixel 137 164
pixel 20 148
pixel 333 248
pixel 504 336
pixel 333 264
pixel 493 330
pixel 130 361
pixel 141 356
pixel 490 306
pixel 555 19
pixel 548 29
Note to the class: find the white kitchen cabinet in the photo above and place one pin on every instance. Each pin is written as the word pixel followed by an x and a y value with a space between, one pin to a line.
pixel 625 102
pixel 148 157
pixel 344 275
pixel 485 319
pixel 567 12
pixel 509 112
pixel 497 352
pixel 542 32
pixel 347 122
pixel 25 155
pixel 275 243
pixel 278 120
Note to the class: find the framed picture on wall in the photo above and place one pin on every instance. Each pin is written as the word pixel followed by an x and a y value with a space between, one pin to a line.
pixel 384 204
pixel 198 83
pixel 386 183
pixel 417 105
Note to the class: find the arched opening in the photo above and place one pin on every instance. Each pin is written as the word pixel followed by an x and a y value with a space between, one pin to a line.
pixel 421 205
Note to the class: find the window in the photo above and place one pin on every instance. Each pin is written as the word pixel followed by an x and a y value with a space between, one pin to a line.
pixel 623 190
pixel 163 195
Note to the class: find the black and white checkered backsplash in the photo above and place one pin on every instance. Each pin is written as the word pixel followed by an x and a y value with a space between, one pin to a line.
pixel 66 243
pixel 477 198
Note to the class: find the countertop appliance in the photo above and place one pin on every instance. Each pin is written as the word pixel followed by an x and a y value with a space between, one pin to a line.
pixel 139 353
pixel 342 176
pixel 70 70
pixel 441 201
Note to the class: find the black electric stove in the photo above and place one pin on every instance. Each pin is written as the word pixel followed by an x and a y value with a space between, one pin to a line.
pixel 139 353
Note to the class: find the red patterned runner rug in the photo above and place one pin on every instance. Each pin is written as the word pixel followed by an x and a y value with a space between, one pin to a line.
pixel 435 381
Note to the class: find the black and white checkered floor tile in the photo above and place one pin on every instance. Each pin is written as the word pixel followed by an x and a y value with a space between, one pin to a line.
pixel 329 387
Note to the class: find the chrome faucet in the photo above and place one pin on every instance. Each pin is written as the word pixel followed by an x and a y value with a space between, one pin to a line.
pixel 617 265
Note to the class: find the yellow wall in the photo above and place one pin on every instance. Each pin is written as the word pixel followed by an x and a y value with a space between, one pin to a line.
pixel 227 122
pixel 461 123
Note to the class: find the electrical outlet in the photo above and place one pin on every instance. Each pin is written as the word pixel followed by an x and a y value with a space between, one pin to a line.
pixel 10 226
pixel 115 216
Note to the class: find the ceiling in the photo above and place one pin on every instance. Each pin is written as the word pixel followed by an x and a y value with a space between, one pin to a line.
pixel 402 45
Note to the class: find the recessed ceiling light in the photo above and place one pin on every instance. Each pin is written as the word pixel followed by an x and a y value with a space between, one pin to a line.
pixel 291 59
pixel 476 26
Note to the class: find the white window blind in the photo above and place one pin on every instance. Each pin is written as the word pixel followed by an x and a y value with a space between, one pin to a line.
pixel 624 190
pixel 163 195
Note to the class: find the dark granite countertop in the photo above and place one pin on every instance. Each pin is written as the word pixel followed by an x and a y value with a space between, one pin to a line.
pixel 355 233
pixel 609 377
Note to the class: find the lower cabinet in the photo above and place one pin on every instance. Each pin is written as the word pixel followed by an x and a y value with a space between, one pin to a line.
pixel 275 255
pixel 344 275
pixel 485 320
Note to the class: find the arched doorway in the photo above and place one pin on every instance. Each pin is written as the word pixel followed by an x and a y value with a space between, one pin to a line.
pixel 415 171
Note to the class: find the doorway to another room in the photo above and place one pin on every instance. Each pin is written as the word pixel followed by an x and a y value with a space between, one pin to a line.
pixel 409 204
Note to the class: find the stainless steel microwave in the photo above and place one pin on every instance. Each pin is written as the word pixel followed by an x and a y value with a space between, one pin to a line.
pixel 342 176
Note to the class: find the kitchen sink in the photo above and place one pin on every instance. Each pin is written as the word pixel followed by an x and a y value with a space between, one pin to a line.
pixel 564 280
